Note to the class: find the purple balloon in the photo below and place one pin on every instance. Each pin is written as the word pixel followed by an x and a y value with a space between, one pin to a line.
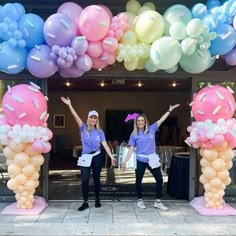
pixel 80 45
pixel 39 63
pixel 84 62
pixel 59 30
pixel 230 58
pixel 72 72
pixel 71 10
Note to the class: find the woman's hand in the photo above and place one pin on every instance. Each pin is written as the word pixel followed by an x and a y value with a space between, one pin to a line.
pixel 123 166
pixel 66 100
pixel 172 107
pixel 113 161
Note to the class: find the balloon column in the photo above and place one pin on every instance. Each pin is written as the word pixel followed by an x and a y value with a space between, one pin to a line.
pixel 214 132
pixel 24 133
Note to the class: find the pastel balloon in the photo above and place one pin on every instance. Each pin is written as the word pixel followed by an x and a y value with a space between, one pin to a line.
pixel 197 62
pixel 230 58
pixel 22 105
pixel 194 28
pixel 225 40
pixel 218 103
pixel 199 10
pixel 150 5
pixel 32 27
pixel 149 26
pixel 80 45
pixel 178 30
pixel 72 72
pixel 129 37
pixel 108 11
pixel 59 30
pixel 39 62
pixel 84 62
pixel 110 44
pixel 133 7
pixel 178 13
pixel 95 49
pixel 72 11
pixel 98 63
pixel 188 46
pixel 13 59
pixel 94 22
pixel 13 11
pixel 165 48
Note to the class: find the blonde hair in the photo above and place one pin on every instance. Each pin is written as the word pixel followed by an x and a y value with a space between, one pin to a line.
pixel 88 128
pixel 136 129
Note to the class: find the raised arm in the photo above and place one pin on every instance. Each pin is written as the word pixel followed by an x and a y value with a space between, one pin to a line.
pixel 72 110
pixel 163 118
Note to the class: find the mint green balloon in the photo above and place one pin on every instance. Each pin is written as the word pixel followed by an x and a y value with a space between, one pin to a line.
pixel 165 52
pixel 178 30
pixel 178 12
pixel 188 46
pixel 150 67
pixel 194 28
pixel 197 62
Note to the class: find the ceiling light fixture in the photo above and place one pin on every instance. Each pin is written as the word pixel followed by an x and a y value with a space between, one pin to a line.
pixel 140 84
pixel 102 84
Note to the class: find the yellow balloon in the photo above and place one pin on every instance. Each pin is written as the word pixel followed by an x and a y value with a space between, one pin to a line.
pixel 143 9
pixel 149 26
pixel 129 38
pixel 130 66
pixel 133 7
pixel 150 5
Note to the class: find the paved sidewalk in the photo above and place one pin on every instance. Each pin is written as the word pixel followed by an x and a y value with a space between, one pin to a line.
pixel 117 218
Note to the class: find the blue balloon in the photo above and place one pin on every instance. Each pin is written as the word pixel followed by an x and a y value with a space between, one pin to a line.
pixel 212 3
pixel 1 14
pixel 211 21
pixel 10 10
pixel 12 59
pixel 31 25
pixel 199 10
pixel 225 40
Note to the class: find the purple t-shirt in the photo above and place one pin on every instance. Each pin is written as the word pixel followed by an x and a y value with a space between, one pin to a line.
pixel 144 143
pixel 91 142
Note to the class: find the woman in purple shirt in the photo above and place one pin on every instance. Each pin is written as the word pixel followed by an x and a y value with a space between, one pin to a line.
pixel 92 137
pixel 143 141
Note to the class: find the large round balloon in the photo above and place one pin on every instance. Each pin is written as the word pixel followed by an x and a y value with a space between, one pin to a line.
pixel 24 104
pixel 225 40
pixel 39 62
pixel 197 62
pixel 73 11
pixel 213 103
pixel 149 26
pixel 59 30
pixel 32 27
pixel 94 22
pixel 13 59
pixel 165 52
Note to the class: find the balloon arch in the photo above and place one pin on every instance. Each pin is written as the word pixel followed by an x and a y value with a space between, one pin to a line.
pixel 74 40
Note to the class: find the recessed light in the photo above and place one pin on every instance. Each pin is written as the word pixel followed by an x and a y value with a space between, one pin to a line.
pixel 68 84
pixel 140 84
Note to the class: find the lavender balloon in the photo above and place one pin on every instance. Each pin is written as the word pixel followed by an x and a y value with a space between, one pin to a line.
pixel 80 45
pixel 59 30
pixel 84 62
pixel 39 62
pixel 72 72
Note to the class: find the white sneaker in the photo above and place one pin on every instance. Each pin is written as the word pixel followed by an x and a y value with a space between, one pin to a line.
pixel 141 204
pixel 160 206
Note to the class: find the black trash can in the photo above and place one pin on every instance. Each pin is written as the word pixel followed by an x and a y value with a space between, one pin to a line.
pixel 178 178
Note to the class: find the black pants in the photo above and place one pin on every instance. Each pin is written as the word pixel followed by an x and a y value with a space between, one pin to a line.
pixel 156 172
pixel 96 166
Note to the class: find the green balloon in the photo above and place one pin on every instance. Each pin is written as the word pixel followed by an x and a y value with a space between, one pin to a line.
pixel 197 62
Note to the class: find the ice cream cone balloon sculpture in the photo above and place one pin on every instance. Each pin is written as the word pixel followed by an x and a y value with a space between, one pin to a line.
pixel 214 132
pixel 25 136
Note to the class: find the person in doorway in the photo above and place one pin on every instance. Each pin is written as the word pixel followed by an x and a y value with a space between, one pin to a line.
pixel 92 138
pixel 143 140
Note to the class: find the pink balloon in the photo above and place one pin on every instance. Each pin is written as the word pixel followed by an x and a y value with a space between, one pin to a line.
pixel 95 49
pixel 108 11
pixel 73 11
pixel 213 102
pixel 24 104
pixel 94 22
pixel 110 44
pixel 98 63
